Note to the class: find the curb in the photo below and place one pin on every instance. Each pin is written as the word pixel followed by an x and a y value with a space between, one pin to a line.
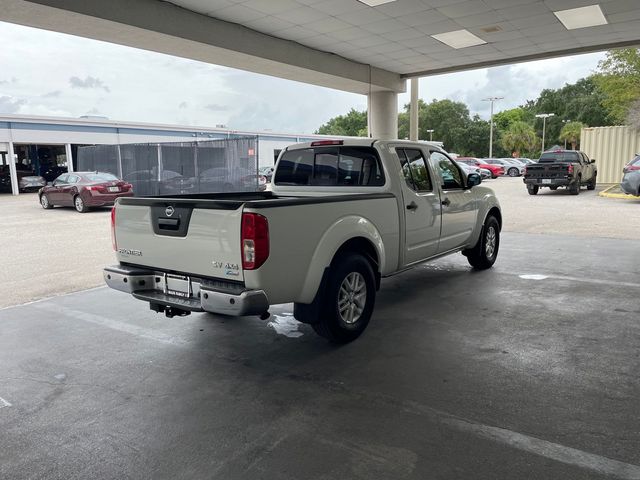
pixel 605 193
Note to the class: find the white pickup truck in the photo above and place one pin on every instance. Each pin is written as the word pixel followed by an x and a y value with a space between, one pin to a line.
pixel 342 215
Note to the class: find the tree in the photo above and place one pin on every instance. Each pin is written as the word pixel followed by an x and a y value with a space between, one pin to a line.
pixel 352 124
pixel 619 80
pixel 503 120
pixel 520 138
pixel 571 133
pixel 448 119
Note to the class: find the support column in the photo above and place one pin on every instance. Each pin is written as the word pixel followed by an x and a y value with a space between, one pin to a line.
pixel 69 154
pixel 12 170
pixel 383 115
pixel 413 111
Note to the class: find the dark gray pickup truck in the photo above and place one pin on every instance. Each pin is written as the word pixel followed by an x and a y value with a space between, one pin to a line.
pixel 561 168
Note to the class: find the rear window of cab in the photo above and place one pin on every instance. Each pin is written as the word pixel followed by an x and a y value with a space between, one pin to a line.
pixel 330 167
pixel 551 157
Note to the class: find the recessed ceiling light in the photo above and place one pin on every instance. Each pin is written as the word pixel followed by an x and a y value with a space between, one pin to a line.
pixel 581 17
pixel 375 3
pixel 459 39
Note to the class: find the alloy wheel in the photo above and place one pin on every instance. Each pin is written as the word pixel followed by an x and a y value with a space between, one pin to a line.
pixel 352 297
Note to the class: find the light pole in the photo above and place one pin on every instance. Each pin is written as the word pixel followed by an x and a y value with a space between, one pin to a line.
pixel 491 99
pixel 430 132
pixel 544 117
pixel 565 140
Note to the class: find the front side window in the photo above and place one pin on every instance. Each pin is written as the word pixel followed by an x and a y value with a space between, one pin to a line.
pixel 449 173
pixel 330 167
pixel 62 179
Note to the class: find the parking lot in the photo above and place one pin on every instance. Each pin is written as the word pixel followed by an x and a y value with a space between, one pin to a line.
pixel 527 370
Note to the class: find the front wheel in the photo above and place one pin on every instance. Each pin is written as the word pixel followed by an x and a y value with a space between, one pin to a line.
pixel 81 207
pixel 349 297
pixel 592 184
pixel 44 201
pixel 533 189
pixel 513 172
pixel 484 254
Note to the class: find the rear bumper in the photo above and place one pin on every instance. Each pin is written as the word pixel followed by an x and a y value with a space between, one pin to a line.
pixel 97 199
pixel 549 182
pixel 201 296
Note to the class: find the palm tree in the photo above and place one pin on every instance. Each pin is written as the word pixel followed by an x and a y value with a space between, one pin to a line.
pixel 571 133
pixel 520 136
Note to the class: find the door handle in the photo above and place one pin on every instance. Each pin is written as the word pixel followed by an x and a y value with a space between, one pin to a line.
pixel 446 202
pixel 412 206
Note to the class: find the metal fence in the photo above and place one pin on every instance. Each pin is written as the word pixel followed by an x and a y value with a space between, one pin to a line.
pixel 225 165
pixel 612 147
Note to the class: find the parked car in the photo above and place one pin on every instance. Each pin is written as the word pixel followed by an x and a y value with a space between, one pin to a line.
pixel 633 165
pixel 525 161
pixel 561 168
pixel 484 173
pixel 340 217
pixel 631 182
pixel 84 190
pixel 30 183
pixel 511 168
pixel 496 170
pixel 266 172
pixel 221 179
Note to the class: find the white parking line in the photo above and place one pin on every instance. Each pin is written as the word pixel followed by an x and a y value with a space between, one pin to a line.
pixel 125 327
pixel 4 403
pixel 530 276
pixel 554 451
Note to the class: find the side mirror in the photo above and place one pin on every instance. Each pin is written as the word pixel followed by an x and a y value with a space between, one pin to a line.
pixel 593 160
pixel 473 179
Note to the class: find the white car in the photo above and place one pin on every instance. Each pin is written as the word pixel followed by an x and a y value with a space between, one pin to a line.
pixel 511 167
pixel 342 215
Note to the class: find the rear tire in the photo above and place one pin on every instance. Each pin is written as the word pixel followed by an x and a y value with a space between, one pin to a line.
pixel 349 297
pixel 575 187
pixel 553 188
pixel 81 207
pixel 484 254
pixel 533 189
pixel 592 184
pixel 513 172
pixel 44 201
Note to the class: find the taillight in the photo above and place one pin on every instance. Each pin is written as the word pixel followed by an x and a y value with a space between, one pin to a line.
pixel 631 168
pixel 254 240
pixel 524 172
pixel 113 229
pixel 570 168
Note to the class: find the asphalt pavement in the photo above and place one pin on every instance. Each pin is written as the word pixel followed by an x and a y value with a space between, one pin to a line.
pixel 528 370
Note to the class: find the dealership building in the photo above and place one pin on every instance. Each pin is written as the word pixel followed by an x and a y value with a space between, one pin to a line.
pixel 47 146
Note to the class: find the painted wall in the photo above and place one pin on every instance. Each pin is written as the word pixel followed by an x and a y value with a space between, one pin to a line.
pixel 612 147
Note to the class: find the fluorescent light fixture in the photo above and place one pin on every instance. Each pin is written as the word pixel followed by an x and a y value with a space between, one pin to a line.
pixel 459 39
pixel 375 3
pixel 581 17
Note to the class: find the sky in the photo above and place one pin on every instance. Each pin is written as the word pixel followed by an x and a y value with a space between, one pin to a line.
pixel 54 74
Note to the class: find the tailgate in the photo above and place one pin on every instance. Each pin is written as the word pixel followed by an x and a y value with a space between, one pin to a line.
pixel 185 237
pixel 552 170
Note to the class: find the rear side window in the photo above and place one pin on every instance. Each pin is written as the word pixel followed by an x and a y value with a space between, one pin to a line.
pixel 330 167
pixel 551 157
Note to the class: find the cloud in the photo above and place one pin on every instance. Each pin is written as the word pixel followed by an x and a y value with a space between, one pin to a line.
pixel 88 82
pixel 216 108
pixel 54 94
pixel 6 82
pixel 11 105
pixel 183 105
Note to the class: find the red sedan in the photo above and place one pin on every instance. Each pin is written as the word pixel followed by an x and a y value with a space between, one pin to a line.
pixel 83 190
pixel 496 170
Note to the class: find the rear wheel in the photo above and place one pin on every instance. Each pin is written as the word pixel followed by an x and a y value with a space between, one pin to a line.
pixel 592 184
pixel 553 188
pixel 513 172
pixel 81 207
pixel 484 254
pixel 533 189
pixel 44 201
pixel 349 297
pixel 575 187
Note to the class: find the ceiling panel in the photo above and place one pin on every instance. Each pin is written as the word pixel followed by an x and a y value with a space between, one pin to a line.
pixel 397 35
